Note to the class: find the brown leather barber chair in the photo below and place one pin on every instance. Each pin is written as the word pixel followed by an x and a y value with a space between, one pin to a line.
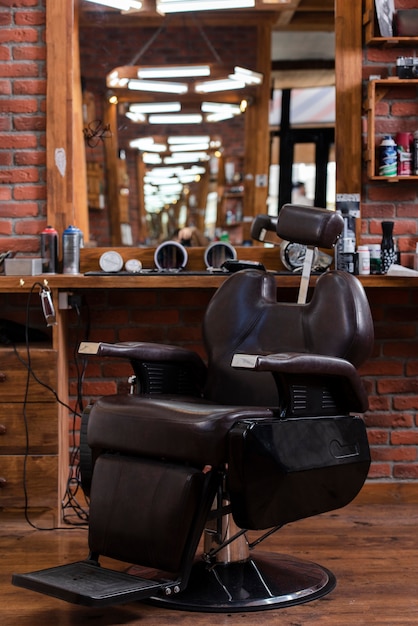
pixel 264 434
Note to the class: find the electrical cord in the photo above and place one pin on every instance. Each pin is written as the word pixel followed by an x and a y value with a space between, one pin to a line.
pixel 70 502
pixel 74 480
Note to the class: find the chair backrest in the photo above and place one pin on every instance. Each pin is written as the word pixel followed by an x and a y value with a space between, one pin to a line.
pixel 245 316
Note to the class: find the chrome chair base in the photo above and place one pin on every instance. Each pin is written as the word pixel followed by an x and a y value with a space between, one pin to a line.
pixel 264 581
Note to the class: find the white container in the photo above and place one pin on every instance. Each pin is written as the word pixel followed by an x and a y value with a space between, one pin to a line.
pixel 363 257
pixel 23 266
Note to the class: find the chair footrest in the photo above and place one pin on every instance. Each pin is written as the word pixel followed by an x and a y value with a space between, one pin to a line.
pixel 88 584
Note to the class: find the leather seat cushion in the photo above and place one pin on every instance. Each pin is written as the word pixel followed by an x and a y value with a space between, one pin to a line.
pixel 182 429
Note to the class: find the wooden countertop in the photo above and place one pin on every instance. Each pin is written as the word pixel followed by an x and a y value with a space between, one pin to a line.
pixel 181 280
pixel 194 277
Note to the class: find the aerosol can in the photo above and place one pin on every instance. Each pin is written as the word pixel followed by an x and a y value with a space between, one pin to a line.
pixel 72 241
pixel 49 250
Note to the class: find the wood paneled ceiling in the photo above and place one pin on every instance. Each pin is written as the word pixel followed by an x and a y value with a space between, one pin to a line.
pixel 293 15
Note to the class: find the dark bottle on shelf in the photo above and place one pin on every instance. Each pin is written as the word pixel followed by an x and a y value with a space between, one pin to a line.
pixel 388 251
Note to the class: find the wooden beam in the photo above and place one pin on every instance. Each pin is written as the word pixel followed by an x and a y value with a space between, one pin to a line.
pixel 257 136
pixel 59 105
pixel 348 60
pixel 65 162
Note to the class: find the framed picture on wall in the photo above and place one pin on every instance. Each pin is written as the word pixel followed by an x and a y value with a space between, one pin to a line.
pixel 385 10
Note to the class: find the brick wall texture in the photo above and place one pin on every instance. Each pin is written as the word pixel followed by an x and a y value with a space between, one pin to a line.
pixel 175 316
pixel 22 124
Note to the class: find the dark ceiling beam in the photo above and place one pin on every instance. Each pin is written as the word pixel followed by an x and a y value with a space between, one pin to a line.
pixel 303 64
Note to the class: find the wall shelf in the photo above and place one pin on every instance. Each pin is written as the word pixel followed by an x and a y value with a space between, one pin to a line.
pixel 377 90
pixel 372 34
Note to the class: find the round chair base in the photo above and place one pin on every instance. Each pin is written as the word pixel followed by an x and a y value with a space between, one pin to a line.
pixel 265 581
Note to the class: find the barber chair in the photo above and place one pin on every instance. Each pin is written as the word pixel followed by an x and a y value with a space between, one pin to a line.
pixel 204 461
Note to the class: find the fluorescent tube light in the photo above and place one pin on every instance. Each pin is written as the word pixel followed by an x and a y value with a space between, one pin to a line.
pixel 224 84
pixel 179 6
pixel 189 178
pixel 159 86
pixel 189 147
pixel 171 180
pixel 136 117
pixel 123 5
pixel 194 170
pixel 147 144
pixel 220 107
pixel 180 71
pixel 186 157
pixel 193 118
pixel 151 158
pixel 219 117
pixel 247 76
pixel 114 80
pixel 188 139
pixel 155 107
pixel 165 171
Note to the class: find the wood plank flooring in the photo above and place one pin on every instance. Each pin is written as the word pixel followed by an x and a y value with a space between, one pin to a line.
pixel 371 548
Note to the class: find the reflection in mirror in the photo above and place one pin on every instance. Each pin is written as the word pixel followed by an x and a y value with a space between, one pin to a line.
pixel 217 253
pixel 303 151
pixel 143 183
pixel 170 255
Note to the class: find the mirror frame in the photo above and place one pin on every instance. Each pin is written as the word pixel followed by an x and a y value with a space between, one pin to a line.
pixel 65 160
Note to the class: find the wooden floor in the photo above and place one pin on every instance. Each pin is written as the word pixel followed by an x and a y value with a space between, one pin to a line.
pixel 371 548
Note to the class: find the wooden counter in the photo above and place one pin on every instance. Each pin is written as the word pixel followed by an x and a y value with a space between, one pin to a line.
pixel 181 280
pixel 195 276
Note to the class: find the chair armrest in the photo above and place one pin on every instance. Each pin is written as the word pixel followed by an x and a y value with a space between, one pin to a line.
pixel 301 366
pixel 141 351
pixel 149 360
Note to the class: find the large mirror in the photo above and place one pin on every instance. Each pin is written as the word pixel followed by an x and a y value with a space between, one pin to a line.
pixel 71 100
pixel 148 174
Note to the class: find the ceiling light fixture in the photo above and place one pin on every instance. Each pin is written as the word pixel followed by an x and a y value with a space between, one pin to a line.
pixel 192 118
pixel 178 71
pixel 219 117
pixel 123 5
pixel 168 180
pixel 155 107
pixel 151 158
pixel 186 157
pixel 138 118
pixel 189 147
pixel 223 84
pixel 220 107
pixel 181 6
pixel 188 139
pixel 147 144
pixel 158 86
pixel 249 77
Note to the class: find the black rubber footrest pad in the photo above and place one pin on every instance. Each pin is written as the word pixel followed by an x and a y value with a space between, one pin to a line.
pixel 88 584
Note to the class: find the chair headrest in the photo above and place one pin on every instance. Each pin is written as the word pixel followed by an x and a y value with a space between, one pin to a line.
pixel 309 226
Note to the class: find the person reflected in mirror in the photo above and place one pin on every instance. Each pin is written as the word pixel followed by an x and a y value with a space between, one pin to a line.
pixel 190 236
pixel 299 194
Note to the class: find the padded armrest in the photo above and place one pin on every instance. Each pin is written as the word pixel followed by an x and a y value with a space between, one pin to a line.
pixel 308 365
pixel 142 351
pixel 159 368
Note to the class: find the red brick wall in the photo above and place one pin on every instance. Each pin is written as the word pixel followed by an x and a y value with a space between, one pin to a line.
pixel 391 379
pixel 22 124
pixel 391 374
pixel 174 317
